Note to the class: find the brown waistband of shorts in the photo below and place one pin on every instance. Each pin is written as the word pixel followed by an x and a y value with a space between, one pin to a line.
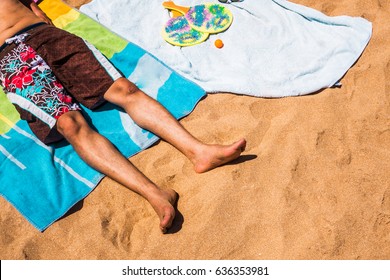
pixel 28 28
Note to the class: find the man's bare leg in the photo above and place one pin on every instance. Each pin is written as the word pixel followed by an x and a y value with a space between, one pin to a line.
pixel 100 154
pixel 151 115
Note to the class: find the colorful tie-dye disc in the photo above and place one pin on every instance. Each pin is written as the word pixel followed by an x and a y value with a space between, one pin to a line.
pixel 178 32
pixel 209 17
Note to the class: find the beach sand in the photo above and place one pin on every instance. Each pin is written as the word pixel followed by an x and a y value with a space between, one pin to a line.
pixel 313 183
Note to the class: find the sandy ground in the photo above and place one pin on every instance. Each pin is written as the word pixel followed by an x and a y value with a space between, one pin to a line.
pixel 314 182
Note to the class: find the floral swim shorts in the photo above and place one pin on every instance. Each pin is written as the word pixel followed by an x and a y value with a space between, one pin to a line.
pixel 46 72
pixel 31 84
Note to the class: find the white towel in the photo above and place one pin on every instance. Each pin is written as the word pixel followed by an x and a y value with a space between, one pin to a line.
pixel 274 48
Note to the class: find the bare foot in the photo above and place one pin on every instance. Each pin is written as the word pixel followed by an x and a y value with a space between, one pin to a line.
pixel 163 202
pixel 213 156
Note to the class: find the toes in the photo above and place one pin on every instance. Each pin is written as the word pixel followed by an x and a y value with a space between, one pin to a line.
pixel 166 222
pixel 241 144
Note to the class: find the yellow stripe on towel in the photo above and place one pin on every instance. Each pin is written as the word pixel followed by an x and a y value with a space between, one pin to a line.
pixel 6 121
pixel 65 19
pixel 54 8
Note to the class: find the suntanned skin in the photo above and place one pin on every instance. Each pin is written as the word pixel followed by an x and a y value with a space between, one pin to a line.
pixel 15 16
pixel 99 153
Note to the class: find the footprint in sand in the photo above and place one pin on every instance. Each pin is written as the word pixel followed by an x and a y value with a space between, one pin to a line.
pixel 332 144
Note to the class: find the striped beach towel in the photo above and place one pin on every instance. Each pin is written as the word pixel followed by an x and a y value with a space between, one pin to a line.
pixel 44 182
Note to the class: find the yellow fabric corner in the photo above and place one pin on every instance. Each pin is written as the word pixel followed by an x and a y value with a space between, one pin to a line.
pixel 54 8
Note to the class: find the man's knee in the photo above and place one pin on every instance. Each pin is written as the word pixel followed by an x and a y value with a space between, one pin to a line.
pixel 125 86
pixel 122 91
pixel 70 124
